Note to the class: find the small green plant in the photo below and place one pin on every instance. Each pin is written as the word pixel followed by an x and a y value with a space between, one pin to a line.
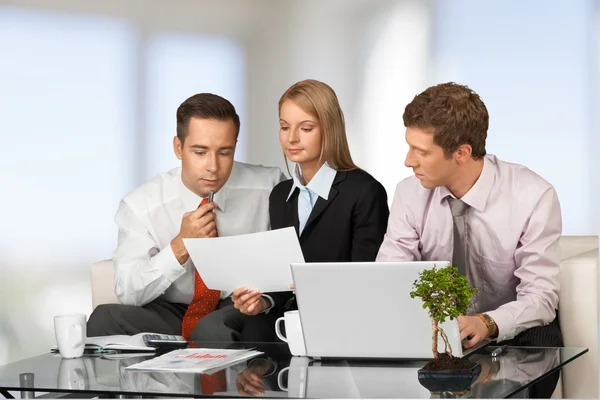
pixel 446 294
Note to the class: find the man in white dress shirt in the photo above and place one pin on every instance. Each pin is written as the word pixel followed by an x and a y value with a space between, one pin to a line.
pixel 154 276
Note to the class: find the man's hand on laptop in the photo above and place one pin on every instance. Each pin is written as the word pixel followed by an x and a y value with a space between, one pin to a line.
pixel 472 328
pixel 249 302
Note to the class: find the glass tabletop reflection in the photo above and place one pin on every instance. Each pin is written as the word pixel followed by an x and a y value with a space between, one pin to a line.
pixel 277 374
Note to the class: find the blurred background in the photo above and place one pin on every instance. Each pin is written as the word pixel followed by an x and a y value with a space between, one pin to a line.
pixel 89 89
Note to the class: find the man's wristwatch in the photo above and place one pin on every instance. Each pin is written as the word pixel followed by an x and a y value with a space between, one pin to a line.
pixel 490 324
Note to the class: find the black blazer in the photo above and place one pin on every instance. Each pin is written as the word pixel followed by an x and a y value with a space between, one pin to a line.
pixel 348 226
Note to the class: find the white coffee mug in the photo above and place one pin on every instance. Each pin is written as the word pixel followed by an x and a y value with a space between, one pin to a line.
pixel 293 331
pixel 296 380
pixel 72 374
pixel 70 334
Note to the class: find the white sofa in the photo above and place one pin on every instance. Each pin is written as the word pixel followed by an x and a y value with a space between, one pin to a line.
pixel 102 276
pixel 578 310
pixel 578 306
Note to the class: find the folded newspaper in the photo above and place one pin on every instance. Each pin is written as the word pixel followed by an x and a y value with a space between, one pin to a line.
pixel 206 361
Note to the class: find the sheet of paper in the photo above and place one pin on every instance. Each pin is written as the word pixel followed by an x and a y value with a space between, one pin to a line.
pixel 258 260
pixel 195 360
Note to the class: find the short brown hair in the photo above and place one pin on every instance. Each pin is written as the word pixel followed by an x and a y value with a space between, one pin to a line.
pixel 319 100
pixel 454 113
pixel 205 106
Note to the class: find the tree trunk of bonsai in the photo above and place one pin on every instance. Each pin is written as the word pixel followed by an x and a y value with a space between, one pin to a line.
pixel 447 345
pixel 434 338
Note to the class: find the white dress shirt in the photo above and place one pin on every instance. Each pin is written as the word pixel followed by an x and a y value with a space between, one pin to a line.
pixel 513 227
pixel 319 186
pixel 150 217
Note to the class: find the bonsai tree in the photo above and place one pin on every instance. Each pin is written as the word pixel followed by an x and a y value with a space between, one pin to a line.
pixel 446 294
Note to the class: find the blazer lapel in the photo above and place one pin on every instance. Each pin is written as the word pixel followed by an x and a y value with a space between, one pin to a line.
pixel 292 210
pixel 321 203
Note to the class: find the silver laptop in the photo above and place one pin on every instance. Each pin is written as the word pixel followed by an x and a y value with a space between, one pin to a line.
pixel 364 310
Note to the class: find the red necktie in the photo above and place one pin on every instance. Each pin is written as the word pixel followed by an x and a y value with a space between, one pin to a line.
pixel 205 300
pixel 215 383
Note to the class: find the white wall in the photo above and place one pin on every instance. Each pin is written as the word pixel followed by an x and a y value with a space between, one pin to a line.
pixel 594 106
pixel 532 63
pixel 354 47
pixel 396 60
pixel 65 146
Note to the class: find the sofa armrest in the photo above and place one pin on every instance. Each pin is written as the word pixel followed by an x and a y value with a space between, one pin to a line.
pixel 102 276
pixel 571 245
pixel 578 307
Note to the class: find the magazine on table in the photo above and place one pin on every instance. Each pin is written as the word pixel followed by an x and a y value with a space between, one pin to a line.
pixel 205 361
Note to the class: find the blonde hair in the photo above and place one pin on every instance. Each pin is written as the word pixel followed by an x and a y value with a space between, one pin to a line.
pixel 319 100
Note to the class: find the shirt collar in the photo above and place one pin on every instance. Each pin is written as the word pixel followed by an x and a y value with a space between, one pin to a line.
pixel 320 183
pixel 191 200
pixel 477 197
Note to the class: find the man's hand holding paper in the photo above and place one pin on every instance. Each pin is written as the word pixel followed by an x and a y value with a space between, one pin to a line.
pixel 250 302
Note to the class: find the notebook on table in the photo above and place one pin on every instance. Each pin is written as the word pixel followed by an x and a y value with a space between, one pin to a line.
pixel 116 343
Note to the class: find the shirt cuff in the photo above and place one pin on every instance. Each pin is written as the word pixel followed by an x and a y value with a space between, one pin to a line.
pixel 272 303
pixel 505 323
pixel 167 263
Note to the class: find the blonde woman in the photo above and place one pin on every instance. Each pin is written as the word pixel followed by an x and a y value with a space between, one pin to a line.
pixel 339 211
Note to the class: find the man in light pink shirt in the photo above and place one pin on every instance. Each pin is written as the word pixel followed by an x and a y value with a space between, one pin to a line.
pixel 511 220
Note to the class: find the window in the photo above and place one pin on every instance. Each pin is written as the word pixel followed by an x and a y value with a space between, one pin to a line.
pixel 178 66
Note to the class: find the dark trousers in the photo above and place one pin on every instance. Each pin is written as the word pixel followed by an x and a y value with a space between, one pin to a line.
pixel 225 324
pixel 541 336
pixel 158 316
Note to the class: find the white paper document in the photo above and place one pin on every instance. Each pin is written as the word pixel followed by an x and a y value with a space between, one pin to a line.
pixel 205 361
pixel 258 260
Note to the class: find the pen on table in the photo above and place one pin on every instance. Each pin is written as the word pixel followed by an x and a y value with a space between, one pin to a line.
pixel 499 350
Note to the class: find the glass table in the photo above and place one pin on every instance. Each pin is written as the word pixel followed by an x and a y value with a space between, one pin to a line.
pixel 277 374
